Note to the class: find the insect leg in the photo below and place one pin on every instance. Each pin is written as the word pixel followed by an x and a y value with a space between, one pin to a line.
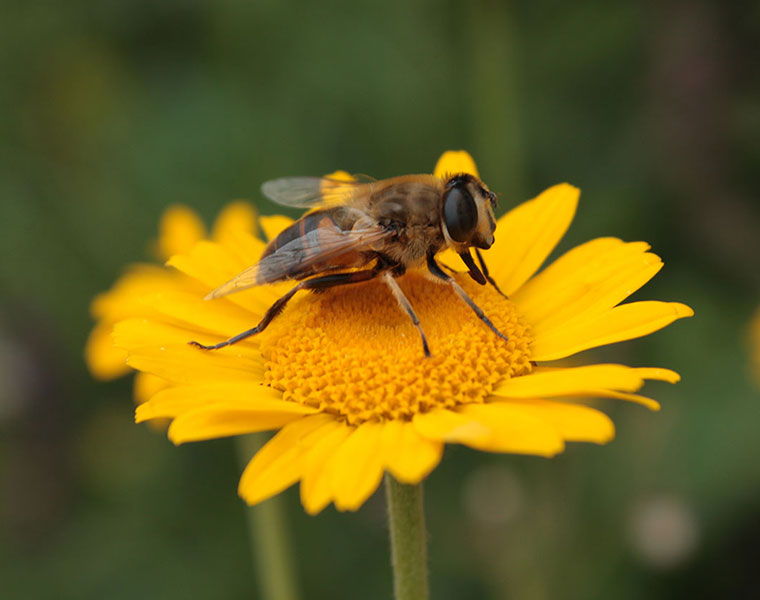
pixel 486 274
pixel 474 271
pixel 407 306
pixel 436 270
pixel 317 283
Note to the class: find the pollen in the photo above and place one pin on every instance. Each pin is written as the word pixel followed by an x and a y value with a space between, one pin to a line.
pixel 353 352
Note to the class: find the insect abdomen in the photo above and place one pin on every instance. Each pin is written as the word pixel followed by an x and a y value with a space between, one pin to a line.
pixel 307 229
pixel 299 229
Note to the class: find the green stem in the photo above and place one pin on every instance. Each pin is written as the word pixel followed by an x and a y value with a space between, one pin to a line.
pixel 406 518
pixel 268 531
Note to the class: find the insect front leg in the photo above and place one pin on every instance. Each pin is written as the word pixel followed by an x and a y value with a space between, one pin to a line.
pixel 436 270
pixel 316 283
pixel 472 267
pixel 486 274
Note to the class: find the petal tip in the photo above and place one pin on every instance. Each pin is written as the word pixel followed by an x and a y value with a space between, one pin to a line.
pixel 659 374
pixel 244 495
pixel 672 376
pixel 551 453
pixel 562 191
pixel 608 435
pixel 175 437
pixel 568 188
pixel 682 310
pixel 455 161
pixel 143 413
pixel 311 506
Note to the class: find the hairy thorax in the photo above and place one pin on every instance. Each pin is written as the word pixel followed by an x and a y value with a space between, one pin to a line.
pixel 412 210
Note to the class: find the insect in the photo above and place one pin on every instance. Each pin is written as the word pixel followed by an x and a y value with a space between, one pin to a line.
pixel 366 229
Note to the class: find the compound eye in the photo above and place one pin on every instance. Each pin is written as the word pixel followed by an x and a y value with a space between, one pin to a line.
pixel 460 214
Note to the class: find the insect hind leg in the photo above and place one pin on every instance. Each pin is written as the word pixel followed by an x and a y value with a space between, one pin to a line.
pixel 317 283
pixel 269 316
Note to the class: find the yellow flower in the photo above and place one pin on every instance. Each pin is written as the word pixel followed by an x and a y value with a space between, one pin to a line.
pixel 341 374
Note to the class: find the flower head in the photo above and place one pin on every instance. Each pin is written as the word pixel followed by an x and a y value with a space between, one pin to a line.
pixel 341 374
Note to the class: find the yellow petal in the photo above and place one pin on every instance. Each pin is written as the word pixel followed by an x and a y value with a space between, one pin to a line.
pixel 208 262
pixel 560 382
pixel 623 322
pixel 236 218
pixel 406 454
pixel 449 426
pixel 212 265
pixel 491 428
pixel 526 235
pixel 562 270
pixel 163 350
pixel 234 417
pixel 172 401
pixel 659 374
pixel 340 176
pixel 140 332
pixel 576 390
pixel 279 463
pixel 272 225
pixel 513 430
pixel 186 309
pixel 104 360
pixel 646 373
pixel 454 162
pixel 316 491
pixel 124 299
pixel 566 291
pixel 146 386
pixel 574 422
pixel 246 248
pixel 636 398
pixel 356 468
pixel 180 229
pixel 178 364
pixel 236 229
pixel 451 259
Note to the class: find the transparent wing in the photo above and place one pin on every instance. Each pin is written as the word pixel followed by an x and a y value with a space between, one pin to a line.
pixel 323 245
pixel 316 192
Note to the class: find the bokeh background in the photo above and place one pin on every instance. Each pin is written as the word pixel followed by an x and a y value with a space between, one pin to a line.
pixel 111 111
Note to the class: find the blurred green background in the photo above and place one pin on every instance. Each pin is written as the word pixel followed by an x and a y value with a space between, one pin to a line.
pixel 110 111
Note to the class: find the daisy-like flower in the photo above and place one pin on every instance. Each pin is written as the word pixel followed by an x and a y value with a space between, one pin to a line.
pixel 342 378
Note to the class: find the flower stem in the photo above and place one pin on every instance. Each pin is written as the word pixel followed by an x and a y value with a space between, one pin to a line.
pixel 268 531
pixel 406 518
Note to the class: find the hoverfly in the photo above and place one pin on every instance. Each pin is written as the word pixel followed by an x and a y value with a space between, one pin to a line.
pixel 361 230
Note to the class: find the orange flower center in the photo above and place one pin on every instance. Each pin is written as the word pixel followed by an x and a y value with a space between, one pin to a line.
pixel 353 352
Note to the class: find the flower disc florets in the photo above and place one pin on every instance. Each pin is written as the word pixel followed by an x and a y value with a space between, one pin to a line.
pixel 354 353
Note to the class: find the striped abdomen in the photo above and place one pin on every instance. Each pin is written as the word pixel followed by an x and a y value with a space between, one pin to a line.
pixel 296 250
